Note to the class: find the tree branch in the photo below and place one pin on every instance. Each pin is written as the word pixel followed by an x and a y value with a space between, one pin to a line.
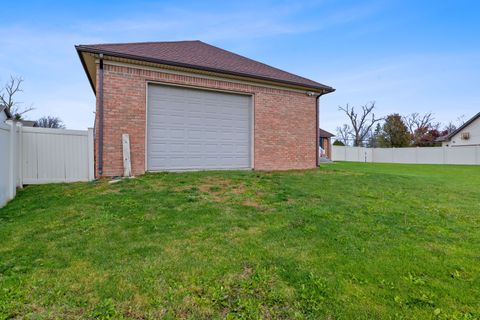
pixel 8 97
pixel 361 124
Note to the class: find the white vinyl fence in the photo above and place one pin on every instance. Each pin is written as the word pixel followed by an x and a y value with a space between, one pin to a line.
pixel 39 155
pixel 428 155
pixel 54 155
pixel 9 156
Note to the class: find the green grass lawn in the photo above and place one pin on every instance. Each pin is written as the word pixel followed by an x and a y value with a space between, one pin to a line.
pixel 347 241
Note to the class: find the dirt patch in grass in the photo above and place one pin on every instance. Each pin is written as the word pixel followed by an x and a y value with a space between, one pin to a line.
pixel 135 309
pixel 224 190
pixel 253 202
pixel 216 186
pixel 246 272
pixel 184 188
pixel 42 312
pixel 241 234
pixel 109 191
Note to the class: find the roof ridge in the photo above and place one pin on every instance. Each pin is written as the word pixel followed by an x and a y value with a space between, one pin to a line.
pixel 138 42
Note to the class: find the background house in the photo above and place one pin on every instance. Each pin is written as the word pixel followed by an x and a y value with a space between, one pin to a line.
pixel 187 105
pixel 4 114
pixel 467 135
pixel 325 143
pixel 28 123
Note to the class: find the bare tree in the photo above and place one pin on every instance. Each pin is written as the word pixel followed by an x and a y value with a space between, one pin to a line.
pixel 450 127
pixel 344 133
pixel 461 120
pixel 416 122
pixel 50 122
pixel 8 97
pixel 362 122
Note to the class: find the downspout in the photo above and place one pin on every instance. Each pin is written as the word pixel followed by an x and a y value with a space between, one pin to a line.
pixel 100 117
pixel 317 126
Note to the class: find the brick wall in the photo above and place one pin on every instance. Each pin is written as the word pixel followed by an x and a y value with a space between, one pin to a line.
pixel 327 147
pixel 284 120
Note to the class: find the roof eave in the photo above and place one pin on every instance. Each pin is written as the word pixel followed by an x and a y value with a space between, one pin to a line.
pixel 80 48
pixel 84 65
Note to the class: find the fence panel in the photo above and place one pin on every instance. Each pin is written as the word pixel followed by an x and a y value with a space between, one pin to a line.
pixel 9 161
pixel 39 155
pixel 435 155
pixel 5 185
pixel 469 155
pixel 383 155
pixel 461 155
pixel 352 153
pixel 338 153
pixel 56 155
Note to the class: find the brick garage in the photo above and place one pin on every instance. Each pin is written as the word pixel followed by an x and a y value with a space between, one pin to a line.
pixel 284 106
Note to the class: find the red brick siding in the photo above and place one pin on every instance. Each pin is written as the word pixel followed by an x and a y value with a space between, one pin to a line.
pixel 327 147
pixel 284 120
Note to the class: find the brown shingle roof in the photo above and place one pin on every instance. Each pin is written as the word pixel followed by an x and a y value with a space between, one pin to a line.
pixel 324 134
pixel 200 55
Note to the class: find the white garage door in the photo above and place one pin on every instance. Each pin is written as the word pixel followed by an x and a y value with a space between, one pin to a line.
pixel 197 129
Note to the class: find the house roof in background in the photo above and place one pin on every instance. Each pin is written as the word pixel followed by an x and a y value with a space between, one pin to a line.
pixel 28 123
pixel 9 115
pixel 199 55
pixel 324 134
pixel 463 126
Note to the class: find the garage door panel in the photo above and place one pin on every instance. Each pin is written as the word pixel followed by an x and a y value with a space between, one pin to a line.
pixel 194 118
pixel 227 148
pixel 158 147
pixel 241 149
pixel 197 162
pixel 198 136
pixel 199 148
pixel 194 134
pixel 194 148
pixel 197 129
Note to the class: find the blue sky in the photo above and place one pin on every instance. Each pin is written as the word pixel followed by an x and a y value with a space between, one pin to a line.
pixel 408 56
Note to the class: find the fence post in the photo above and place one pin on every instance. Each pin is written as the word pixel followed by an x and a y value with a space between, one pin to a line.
pixel 12 177
pixel 91 158
pixel 20 155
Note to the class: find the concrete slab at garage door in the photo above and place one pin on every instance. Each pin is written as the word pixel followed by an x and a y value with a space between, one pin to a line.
pixel 192 129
